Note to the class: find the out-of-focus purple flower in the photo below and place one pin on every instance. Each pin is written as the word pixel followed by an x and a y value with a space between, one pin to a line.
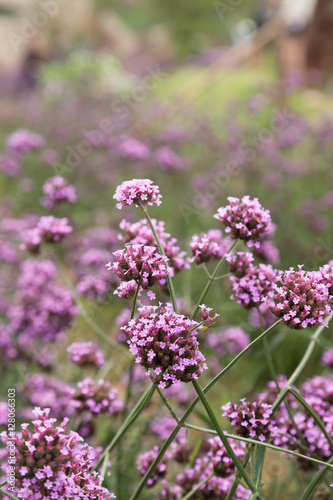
pixel 166 344
pixel 327 358
pixel 163 427
pixel 134 149
pixel 140 263
pixel 49 229
pixel 57 190
pixel 93 287
pixel 23 141
pixel 140 192
pixel 97 397
pixel 168 159
pixel 268 318
pixel 251 290
pixel 52 464
pixel 85 353
pixel 10 164
pixel 232 340
pixel 301 300
pixel 268 252
pixel 50 156
pixel 145 460
pixel 250 419
pixel 245 219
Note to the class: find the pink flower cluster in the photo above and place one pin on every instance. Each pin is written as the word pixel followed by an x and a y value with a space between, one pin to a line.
pixel 240 263
pixel 302 299
pixel 145 460
pixel 57 190
pixel 49 230
pixel 166 344
pixel 85 353
pixel 140 263
pixel 51 464
pixel 97 397
pixel 232 340
pixel 133 149
pixel 251 419
pixel 140 192
pixel 245 219
pixel 23 141
pixel 209 246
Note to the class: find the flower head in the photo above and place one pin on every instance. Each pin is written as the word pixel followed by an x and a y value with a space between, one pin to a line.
pixel 141 192
pixel 23 141
pixel 97 397
pixel 57 190
pixel 165 343
pixel 245 219
pixel 85 353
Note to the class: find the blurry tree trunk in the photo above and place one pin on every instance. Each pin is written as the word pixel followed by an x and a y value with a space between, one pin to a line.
pixel 319 52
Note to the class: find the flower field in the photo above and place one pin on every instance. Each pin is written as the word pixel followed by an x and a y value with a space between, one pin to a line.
pixel 166 286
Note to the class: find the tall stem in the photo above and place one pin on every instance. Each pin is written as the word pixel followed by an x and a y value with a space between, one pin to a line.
pixel 211 279
pixel 161 250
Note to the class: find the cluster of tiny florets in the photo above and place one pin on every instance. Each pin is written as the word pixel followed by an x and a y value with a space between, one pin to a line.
pixel 24 141
pixel 240 263
pixel 57 190
pixel 140 192
pixel 97 397
pixel 53 465
pixel 252 289
pixel 250 419
pixel 145 460
pixel 209 246
pixel 85 353
pixel 302 299
pixel 232 340
pixel 245 219
pixel 141 264
pixel 49 230
pixel 166 344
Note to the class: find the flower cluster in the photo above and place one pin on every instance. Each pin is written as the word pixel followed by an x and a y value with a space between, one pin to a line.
pixel 250 419
pixel 140 192
pixel 85 353
pixel 209 246
pixel 252 289
pixel 302 299
pixel 232 340
pixel 49 230
pixel 97 397
pixel 245 219
pixel 57 190
pixel 52 464
pixel 145 460
pixel 168 159
pixel 140 263
pixel 23 141
pixel 165 343
pixel 134 149
pixel 240 263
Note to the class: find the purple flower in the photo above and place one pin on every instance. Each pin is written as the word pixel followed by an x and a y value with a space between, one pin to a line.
pixel 97 397
pixel 302 300
pixel 134 149
pixel 240 263
pixel 145 460
pixel 250 419
pixel 168 159
pixel 232 340
pixel 141 192
pixel 327 358
pixel 245 219
pixel 203 249
pixel 127 290
pixel 23 141
pixel 92 287
pixel 165 343
pixel 85 353
pixel 140 263
pixel 52 464
pixel 252 289
pixel 57 190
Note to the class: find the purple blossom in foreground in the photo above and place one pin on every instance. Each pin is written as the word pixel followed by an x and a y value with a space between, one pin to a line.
pixel 127 290
pixel 53 465
pixel 250 419
pixel 252 289
pixel 232 340
pixel 204 249
pixel 245 219
pixel 57 190
pixel 23 141
pixel 97 397
pixel 140 192
pixel 85 353
pixel 140 263
pixel 301 300
pixel 165 343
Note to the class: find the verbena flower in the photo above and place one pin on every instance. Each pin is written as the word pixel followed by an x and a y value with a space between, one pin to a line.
pixel 240 263
pixel 140 263
pixel 140 192
pixel 232 340
pixel 145 460
pixel 97 397
pixel 301 300
pixel 92 287
pixel 53 465
pixel 85 353
pixel 252 289
pixel 127 290
pixel 168 159
pixel 24 141
pixel 327 358
pixel 49 229
pixel 57 190
pixel 134 149
pixel 165 343
pixel 250 419
pixel 204 249
pixel 245 219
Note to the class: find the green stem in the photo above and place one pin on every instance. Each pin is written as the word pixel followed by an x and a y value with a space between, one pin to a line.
pixel 161 250
pixel 134 301
pixel 236 483
pixel 222 436
pixel 211 279
pixel 3 484
pixel 301 365
pixel 198 486
pixel 167 404
pixel 7 494
pixel 307 495
pixel 132 416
